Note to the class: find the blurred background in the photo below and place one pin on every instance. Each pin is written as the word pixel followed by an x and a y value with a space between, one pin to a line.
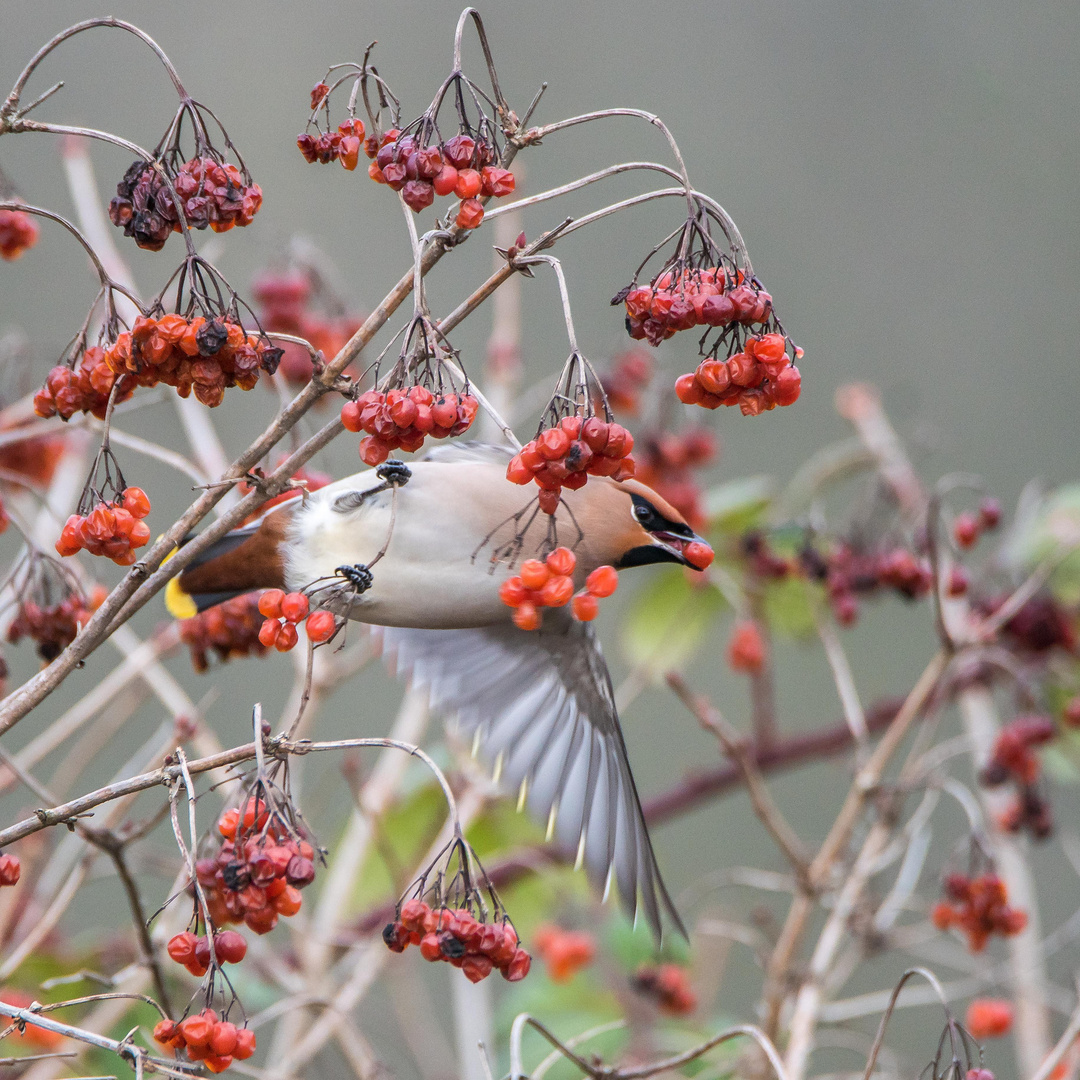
pixel 904 176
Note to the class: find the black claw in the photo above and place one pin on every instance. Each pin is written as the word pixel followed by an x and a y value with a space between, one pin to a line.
pixel 358 576
pixel 394 472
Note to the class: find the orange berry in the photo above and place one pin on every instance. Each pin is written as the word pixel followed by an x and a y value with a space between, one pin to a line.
pixel 526 617
pixel 245 1044
pixel 196 1030
pixel 269 632
pixel 603 581
pixel 135 502
pixel 556 592
pixel 217 1064
pixel 562 561
pixel 228 822
pixel 989 1018
pixel 270 603
pixel 470 215
pixel 223 1038
pixel 585 607
pixel 698 554
pixel 288 902
pixel 534 574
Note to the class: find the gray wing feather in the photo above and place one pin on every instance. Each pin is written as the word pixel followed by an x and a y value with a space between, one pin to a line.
pixel 543 703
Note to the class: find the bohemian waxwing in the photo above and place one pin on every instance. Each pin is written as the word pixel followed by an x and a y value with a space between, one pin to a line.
pixel 440 537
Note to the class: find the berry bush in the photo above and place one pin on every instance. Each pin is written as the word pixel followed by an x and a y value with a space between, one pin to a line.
pixel 238 938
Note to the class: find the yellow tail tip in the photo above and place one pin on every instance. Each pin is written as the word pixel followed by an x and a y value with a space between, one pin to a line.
pixel 179 604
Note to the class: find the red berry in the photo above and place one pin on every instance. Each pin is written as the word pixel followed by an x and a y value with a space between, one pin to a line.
pixel 534 574
pixel 512 592
pixel 295 606
pixel 270 603
pixel 990 513
pixel 470 215
pixel 229 948
pixel 269 633
pixel 197 1030
pixel 584 607
pixel 526 617
pixel 603 581
pixel 698 554
pixel 287 637
pixel 989 1018
pixel 223 1039
pixel 746 650
pixel 966 529
pixel 468 185
pixel 135 502
pixel 445 180
pixel 320 626
pixel 181 948
pixel 245 1044
pixel 10 869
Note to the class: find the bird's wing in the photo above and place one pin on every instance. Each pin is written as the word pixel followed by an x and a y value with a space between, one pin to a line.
pixel 541 707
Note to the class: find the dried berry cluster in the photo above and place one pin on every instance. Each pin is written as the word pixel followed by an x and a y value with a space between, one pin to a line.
pixel 1013 759
pixel 212 193
pixel 286 307
pixel 669 986
pixel 282 611
pixel 757 379
pixel 193 952
pixel 67 391
pixel 258 872
pixel 401 419
pixel 988 1018
pixel 206 356
pixel 457 937
pixel 564 952
pixel 18 233
pixel 231 629
pixel 110 529
pixel 342 145
pixel 979 907
pixel 568 454
pixel 967 528
pixel 53 627
pixel 461 166
pixel 626 379
pixel 10 869
pixel 550 584
pixel 664 463
pixel 701 296
pixel 207 1038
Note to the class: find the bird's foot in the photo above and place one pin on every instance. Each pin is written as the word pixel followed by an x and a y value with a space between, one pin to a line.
pixel 357 575
pixel 394 472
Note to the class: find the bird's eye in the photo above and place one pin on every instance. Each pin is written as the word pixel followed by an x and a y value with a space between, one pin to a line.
pixel 642 513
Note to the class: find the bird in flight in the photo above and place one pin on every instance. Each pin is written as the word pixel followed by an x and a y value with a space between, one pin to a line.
pixel 419 553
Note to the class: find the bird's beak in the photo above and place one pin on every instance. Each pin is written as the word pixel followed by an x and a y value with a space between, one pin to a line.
pixel 692 551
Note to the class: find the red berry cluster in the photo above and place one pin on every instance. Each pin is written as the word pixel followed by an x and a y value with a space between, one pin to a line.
pixel 342 145
pixel 461 166
pixel 457 937
pixel 193 952
pixel 626 379
pixel 286 307
pixel 212 193
pixel 18 233
pixel 208 1039
pixel 282 611
pixel 401 419
pixel 1040 626
pixel 206 356
pixel 110 529
pixel 757 379
pixel 569 453
pixel 34 458
pixel 550 584
pixel 988 1018
pixel 564 952
pixel 1013 757
pixel 979 907
pixel 231 629
pixel 669 986
pixel 746 650
pixel 702 296
pixel 87 390
pixel 967 528
pixel 258 871
pixel 10 869
pixel 664 463
pixel 53 627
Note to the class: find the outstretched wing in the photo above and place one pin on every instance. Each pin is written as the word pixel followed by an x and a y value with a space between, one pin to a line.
pixel 542 707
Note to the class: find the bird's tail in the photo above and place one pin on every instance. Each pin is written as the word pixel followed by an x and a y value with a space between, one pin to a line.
pixel 246 559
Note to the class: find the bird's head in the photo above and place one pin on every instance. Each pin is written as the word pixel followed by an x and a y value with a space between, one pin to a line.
pixel 648 529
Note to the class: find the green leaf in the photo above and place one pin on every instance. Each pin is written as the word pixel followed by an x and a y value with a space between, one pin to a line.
pixel 787 607
pixel 668 621
pixel 1052 532
pixel 739 505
